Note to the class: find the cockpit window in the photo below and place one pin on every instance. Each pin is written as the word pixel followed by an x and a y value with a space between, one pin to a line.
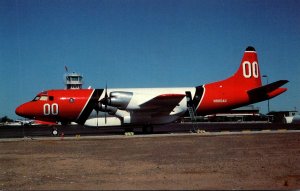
pixel 36 98
pixel 42 98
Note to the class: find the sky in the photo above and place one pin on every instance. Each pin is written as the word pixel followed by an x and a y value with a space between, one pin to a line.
pixel 144 43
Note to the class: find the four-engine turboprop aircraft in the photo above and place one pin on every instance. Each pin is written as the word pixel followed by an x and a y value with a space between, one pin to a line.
pixel 152 106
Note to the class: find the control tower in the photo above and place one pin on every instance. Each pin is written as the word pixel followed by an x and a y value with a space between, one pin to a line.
pixel 73 81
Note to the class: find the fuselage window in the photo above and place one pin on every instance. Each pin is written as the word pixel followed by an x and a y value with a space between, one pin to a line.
pixel 51 98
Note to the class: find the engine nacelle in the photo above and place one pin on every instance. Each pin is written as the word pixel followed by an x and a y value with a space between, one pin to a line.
pixel 111 110
pixel 119 99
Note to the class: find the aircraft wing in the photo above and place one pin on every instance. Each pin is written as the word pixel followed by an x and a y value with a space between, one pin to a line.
pixel 164 103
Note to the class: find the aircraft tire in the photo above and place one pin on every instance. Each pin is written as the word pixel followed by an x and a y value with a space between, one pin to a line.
pixel 55 132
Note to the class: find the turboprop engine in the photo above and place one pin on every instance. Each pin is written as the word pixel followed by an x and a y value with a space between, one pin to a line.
pixel 115 104
pixel 118 99
pixel 106 108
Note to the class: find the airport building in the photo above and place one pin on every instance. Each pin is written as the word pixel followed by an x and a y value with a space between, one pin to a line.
pixel 283 116
pixel 242 114
pixel 73 81
pixel 248 113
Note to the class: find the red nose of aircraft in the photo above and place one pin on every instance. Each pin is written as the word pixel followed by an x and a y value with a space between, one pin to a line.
pixel 23 110
pixel 19 110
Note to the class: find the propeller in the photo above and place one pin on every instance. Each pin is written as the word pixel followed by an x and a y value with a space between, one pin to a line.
pixel 99 103
pixel 106 96
pixel 99 106
pixel 97 110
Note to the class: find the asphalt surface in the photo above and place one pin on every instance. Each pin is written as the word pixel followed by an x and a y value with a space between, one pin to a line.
pixel 71 130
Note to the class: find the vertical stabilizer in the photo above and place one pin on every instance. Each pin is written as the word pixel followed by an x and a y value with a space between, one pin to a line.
pixel 248 74
pixel 233 91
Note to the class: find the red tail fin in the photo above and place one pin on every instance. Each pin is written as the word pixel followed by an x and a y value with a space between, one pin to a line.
pixel 248 74
pixel 243 88
pixel 232 92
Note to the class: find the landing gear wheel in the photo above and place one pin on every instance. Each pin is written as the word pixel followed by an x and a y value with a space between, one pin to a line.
pixel 55 132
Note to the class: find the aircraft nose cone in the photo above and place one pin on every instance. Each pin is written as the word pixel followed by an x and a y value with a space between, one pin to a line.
pixel 20 110
pixel 23 110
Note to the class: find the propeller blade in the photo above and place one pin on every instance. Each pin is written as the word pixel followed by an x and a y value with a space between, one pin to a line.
pixel 97 108
pixel 106 96
pixel 97 117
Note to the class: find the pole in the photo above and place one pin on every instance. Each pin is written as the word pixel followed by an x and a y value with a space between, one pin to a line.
pixel 265 76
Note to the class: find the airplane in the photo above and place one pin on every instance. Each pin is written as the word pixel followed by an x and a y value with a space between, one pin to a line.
pixel 148 107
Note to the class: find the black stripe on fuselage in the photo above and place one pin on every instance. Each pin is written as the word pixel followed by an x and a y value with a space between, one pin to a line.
pixel 89 106
pixel 198 96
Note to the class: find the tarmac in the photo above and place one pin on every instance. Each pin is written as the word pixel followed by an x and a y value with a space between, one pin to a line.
pixel 73 130
pixel 266 159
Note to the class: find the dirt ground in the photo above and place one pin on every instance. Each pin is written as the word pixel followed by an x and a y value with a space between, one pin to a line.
pixel 244 161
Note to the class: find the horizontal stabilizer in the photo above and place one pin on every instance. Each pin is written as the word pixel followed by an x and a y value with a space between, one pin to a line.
pixel 266 92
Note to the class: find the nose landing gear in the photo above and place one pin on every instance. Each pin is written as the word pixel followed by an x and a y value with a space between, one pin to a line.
pixel 55 132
